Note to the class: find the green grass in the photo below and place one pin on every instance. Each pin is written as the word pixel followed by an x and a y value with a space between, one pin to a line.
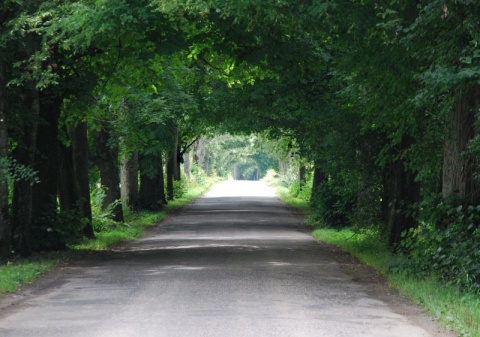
pixel 20 271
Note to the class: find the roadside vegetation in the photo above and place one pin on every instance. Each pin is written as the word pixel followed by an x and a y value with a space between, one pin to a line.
pixel 449 301
pixel 368 109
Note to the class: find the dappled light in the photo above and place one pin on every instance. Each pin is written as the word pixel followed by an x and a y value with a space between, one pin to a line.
pixel 362 114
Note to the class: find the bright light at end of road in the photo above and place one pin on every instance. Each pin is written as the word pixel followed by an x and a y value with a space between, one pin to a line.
pixel 241 188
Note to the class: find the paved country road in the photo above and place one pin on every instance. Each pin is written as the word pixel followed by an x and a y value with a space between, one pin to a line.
pixel 236 262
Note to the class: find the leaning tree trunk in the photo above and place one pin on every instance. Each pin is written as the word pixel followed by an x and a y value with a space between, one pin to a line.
pixel 78 137
pixel 460 171
pixel 23 189
pixel 5 230
pixel 129 181
pixel 107 162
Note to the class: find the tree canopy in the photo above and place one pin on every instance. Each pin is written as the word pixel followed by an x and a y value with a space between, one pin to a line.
pixel 377 100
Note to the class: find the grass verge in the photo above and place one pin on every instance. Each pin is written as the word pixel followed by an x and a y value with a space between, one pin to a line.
pixel 458 311
pixel 19 271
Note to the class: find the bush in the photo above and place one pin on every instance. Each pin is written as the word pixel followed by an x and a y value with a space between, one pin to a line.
pixel 57 230
pixel 451 253
pixel 332 207
pixel 198 175
pixel 102 220
pixel 179 189
pixel 271 177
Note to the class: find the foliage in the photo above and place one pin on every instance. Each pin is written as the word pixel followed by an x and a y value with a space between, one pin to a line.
pixel 179 188
pixel 448 252
pixel 54 231
pixel 11 170
pixel 102 219
pixel 246 154
pixel 332 206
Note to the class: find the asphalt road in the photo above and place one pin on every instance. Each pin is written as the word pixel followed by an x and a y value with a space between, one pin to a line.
pixel 236 262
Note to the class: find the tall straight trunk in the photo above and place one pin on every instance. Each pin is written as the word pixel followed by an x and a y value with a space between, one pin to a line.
pixel 78 137
pixel 302 174
pixel 152 193
pixel 107 161
pixel 5 230
pixel 46 160
pixel 66 182
pixel 161 178
pixel 319 177
pixel 170 169
pixel 186 164
pixel 401 194
pixel 200 155
pixel 129 181
pixel 177 158
pixel 22 204
pixel 460 171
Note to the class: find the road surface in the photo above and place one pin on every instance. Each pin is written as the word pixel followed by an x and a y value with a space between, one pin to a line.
pixel 236 262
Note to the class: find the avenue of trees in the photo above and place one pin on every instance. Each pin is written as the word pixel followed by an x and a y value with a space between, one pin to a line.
pixel 378 101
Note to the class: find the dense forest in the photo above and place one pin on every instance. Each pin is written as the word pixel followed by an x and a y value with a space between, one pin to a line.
pixel 376 101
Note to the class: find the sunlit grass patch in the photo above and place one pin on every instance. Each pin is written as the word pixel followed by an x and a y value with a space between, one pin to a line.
pixel 15 273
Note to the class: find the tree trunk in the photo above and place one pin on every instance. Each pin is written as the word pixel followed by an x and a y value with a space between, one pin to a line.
pixel 161 178
pixel 302 175
pixel 66 182
pixel 200 156
pixel 319 177
pixel 129 181
pixel 186 164
pixel 152 192
pixel 46 160
pixel 23 189
pixel 401 193
pixel 460 173
pixel 78 136
pixel 170 169
pixel 5 230
pixel 177 158
pixel 107 161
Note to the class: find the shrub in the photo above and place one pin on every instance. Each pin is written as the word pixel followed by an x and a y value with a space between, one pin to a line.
pixel 179 188
pixel 452 252
pixel 332 207
pixel 56 230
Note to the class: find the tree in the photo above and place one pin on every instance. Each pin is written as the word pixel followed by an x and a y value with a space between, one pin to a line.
pixel 5 231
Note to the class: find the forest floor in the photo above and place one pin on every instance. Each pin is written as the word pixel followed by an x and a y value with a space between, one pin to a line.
pixel 236 262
